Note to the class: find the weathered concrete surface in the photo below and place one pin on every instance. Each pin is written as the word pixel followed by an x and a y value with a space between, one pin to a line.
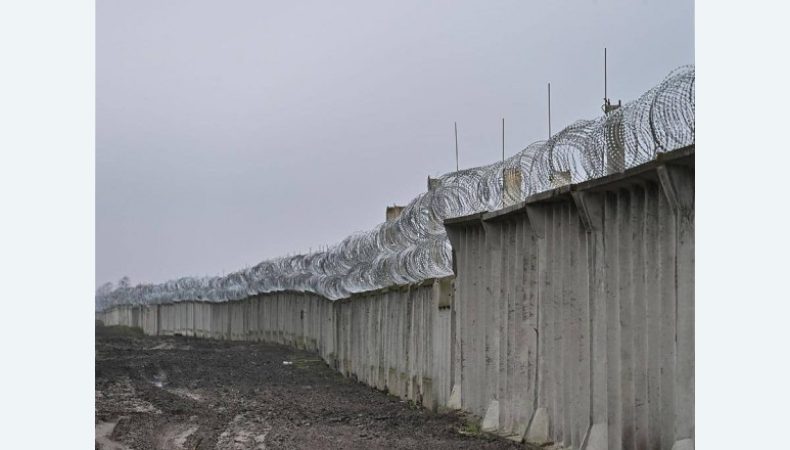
pixel 538 431
pixel 597 439
pixel 571 311
pixel 685 444
pixel 491 419
pixel 455 398
pixel 579 302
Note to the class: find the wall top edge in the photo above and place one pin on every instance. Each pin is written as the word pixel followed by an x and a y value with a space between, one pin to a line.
pixel 354 296
pixel 462 219
pixel 395 288
pixel 635 175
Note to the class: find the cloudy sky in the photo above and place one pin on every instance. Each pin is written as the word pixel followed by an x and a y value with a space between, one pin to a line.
pixel 229 132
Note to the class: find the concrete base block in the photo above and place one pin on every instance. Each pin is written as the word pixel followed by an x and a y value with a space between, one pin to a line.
pixel 428 399
pixel 382 381
pixel 491 420
pixel 519 431
pixel 413 392
pixel 597 438
pixel 392 381
pixel 455 397
pixel 373 377
pixel 403 387
pixel 685 444
pixel 538 431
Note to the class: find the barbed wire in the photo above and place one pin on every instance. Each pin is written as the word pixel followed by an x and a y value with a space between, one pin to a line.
pixel 414 246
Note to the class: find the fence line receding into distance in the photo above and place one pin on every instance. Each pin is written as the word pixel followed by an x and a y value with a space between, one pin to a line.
pixel 414 247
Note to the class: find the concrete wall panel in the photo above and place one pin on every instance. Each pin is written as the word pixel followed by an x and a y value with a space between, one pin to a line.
pixel 570 318
pixel 585 301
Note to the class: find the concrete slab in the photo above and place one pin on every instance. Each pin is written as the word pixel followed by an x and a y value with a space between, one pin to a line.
pixel 519 431
pixel 538 431
pixel 685 444
pixel 428 397
pixel 491 420
pixel 598 438
pixel 455 397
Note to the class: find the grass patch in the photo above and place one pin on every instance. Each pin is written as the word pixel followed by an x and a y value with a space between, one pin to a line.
pixel 471 428
pixel 411 404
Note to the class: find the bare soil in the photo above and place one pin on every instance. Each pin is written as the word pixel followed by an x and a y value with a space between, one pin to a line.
pixel 182 393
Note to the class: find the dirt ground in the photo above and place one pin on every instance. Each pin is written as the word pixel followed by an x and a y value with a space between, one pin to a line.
pixel 182 393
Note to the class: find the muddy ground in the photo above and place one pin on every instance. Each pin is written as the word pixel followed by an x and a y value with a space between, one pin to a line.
pixel 182 393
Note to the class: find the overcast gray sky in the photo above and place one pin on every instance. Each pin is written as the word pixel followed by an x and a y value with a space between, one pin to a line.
pixel 229 132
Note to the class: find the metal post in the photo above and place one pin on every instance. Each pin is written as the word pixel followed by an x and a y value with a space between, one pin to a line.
pixel 549 110
pixel 605 96
pixel 503 140
pixel 456 146
pixel 503 162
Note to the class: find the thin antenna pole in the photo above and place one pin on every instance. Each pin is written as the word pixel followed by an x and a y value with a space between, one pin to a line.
pixel 456 146
pixel 503 162
pixel 605 96
pixel 549 110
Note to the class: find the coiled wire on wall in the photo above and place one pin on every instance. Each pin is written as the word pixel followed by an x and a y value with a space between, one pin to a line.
pixel 414 247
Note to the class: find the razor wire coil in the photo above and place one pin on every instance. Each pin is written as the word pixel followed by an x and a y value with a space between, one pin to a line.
pixel 414 246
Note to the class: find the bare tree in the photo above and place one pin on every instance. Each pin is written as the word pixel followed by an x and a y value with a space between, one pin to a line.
pixel 124 283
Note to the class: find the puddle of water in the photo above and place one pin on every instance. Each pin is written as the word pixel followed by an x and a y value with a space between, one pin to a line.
pixel 103 432
pixel 160 379
pixel 186 393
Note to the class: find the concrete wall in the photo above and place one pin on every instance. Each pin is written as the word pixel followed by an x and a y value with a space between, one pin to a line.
pixel 574 312
pixel 570 319
pixel 398 340
pixel 129 316
pixel 395 339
